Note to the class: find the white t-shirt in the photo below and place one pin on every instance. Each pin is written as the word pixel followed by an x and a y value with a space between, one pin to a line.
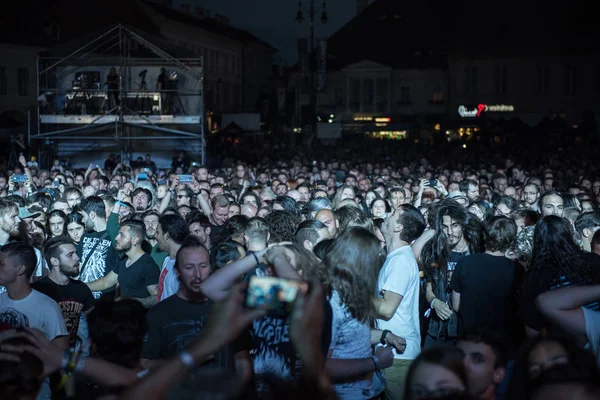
pixel 171 280
pixel 400 274
pixel 592 328
pixel 35 311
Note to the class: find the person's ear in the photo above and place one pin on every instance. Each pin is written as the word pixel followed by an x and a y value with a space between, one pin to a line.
pixel 54 262
pixel 21 269
pixel 92 215
pixel 399 228
pixel 586 233
pixel 207 230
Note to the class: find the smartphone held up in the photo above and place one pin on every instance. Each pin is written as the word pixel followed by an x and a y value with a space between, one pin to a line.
pixel 275 295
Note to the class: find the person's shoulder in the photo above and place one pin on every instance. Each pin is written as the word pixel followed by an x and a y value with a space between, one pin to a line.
pixel 42 299
pixel 166 305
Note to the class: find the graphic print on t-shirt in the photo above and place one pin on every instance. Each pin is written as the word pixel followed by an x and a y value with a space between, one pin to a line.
pixel 14 318
pixel 95 263
pixel 191 327
pixel 274 354
pixel 71 311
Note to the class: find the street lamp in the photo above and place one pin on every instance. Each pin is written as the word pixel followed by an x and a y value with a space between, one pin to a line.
pixel 324 19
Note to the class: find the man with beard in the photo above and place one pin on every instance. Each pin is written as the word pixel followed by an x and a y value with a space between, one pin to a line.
pixel 136 274
pixel 141 199
pixel 456 235
pixel 176 321
pixel 73 297
pixel 9 222
pixel 150 220
pixel 199 226
pixel 97 255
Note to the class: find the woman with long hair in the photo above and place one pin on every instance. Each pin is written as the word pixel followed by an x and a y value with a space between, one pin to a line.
pixel 556 261
pixel 353 262
pixel 342 193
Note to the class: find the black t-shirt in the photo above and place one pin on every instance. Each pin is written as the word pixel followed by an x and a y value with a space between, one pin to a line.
pixel 274 356
pixel 488 294
pixel 174 323
pixel 215 232
pixel 133 280
pixel 113 82
pixel 73 299
pixel 98 258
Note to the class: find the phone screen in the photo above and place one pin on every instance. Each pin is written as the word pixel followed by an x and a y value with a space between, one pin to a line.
pixel 276 295
pixel 142 177
pixel 185 178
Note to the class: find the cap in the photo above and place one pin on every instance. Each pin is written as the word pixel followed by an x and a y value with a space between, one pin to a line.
pixel 24 213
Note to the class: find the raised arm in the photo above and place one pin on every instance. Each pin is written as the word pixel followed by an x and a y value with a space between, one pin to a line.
pixel 108 281
pixel 218 284
pixel 563 306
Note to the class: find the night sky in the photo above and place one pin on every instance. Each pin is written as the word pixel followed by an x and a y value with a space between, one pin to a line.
pixel 273 20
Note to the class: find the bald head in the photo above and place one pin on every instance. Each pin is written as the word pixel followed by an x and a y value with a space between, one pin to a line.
pixel 294 194
pixel 249 210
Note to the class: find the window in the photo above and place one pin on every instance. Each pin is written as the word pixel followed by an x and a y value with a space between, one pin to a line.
pixel 405 94
pixel 3 81
pixel 570 79
pixel 437 97
pixel 500 79
pixel 542 81
pixel 23 81
pixel 471 80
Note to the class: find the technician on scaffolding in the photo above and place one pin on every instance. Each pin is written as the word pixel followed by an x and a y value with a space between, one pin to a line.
pixel 112 81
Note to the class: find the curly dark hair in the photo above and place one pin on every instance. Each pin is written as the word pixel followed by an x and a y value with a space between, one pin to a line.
pixel 118 328
pixel 282 225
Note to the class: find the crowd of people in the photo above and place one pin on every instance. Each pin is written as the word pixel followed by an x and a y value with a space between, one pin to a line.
pixel 421 279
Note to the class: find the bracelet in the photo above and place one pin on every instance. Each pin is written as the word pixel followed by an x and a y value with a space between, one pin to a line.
pixel 187 359
pixel 383 335
pixel 256 258
pixel 431 305
pixel 376 362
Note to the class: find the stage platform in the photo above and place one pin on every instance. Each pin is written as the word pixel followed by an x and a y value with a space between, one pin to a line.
pixel 132 119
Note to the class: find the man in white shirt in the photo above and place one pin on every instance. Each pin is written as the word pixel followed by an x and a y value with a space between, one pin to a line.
pixel 23 307
pixel 398 285
pixel 170 234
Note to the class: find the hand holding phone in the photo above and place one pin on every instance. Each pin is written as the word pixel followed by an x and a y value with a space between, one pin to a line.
pixel 272 294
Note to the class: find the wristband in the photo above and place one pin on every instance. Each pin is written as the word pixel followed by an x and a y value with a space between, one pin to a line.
pixel 187 359
pixel 121 203
pixel 256 258
pixel 376 362
pixel 431 305
pixel 383 335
